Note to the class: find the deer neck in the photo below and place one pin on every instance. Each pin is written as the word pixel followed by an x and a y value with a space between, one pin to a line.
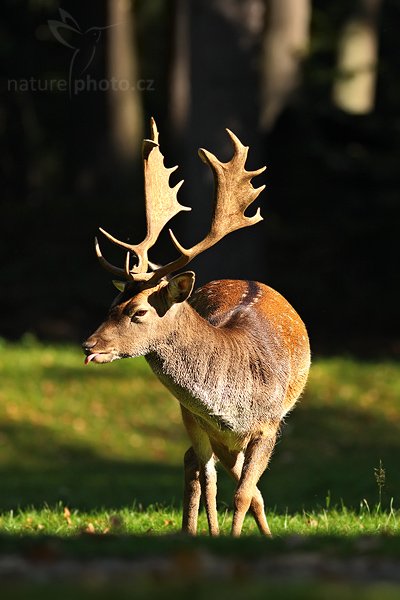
pixel 195 362
pixel 190 343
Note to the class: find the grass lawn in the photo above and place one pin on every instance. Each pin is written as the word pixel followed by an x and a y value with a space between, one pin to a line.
pixel 94 453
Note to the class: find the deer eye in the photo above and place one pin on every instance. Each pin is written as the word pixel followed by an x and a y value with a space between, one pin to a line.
pixel 138 313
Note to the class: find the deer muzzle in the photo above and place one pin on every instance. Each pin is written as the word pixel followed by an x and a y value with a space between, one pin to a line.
pixel 96 354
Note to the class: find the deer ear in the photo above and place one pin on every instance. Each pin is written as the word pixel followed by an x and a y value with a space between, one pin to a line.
pixel 120 285
pixel 180 287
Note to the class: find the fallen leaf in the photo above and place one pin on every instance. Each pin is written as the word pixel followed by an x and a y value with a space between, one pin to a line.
pixel 90 528
pixel 67 515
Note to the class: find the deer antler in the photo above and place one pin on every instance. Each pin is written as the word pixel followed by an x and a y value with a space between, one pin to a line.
pixel 161 206
pixel 233 195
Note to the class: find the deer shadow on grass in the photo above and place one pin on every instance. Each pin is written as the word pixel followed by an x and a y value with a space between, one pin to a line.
pixel 320 452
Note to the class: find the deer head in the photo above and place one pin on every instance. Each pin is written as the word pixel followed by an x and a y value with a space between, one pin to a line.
pixel 146 308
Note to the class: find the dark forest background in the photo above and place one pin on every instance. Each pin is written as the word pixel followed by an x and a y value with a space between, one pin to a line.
pixel 313 88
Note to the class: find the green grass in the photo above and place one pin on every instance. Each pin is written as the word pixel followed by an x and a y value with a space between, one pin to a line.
pixel 91 457
pixel 59 520
pixel 110 436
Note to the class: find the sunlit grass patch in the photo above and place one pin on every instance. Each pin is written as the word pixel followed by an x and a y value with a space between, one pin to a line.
pixel 118 410
pixel 111 436
pixel 158 520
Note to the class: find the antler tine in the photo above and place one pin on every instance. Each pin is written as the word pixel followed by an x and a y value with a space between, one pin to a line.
pixel 241 151
pixel 127 265
pixel 104 263
pixel 233 195
pixel 161 206
pixel 116 241
pixel 154 130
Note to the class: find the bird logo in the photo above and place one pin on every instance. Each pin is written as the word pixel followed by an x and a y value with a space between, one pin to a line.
pixel 83 43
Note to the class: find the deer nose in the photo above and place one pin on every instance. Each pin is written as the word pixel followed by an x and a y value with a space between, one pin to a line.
pixel 89 344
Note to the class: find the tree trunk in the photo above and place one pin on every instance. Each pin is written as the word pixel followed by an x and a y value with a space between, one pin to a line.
pixel 124 100
pixel 285 45
pixel 354 88
pixel 179 79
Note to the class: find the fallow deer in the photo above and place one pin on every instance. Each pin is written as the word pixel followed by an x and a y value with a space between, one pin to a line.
pixel 234 353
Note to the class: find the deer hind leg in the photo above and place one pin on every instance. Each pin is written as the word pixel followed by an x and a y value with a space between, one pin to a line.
pixel 207 477
pixel 256 458
pixel 233 463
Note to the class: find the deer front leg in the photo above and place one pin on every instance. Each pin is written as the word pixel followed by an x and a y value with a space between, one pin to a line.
pixel 256 458
pixel 207 477
pixel 191 494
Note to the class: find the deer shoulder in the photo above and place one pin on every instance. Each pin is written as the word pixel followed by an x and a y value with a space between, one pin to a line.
pixel 261 314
